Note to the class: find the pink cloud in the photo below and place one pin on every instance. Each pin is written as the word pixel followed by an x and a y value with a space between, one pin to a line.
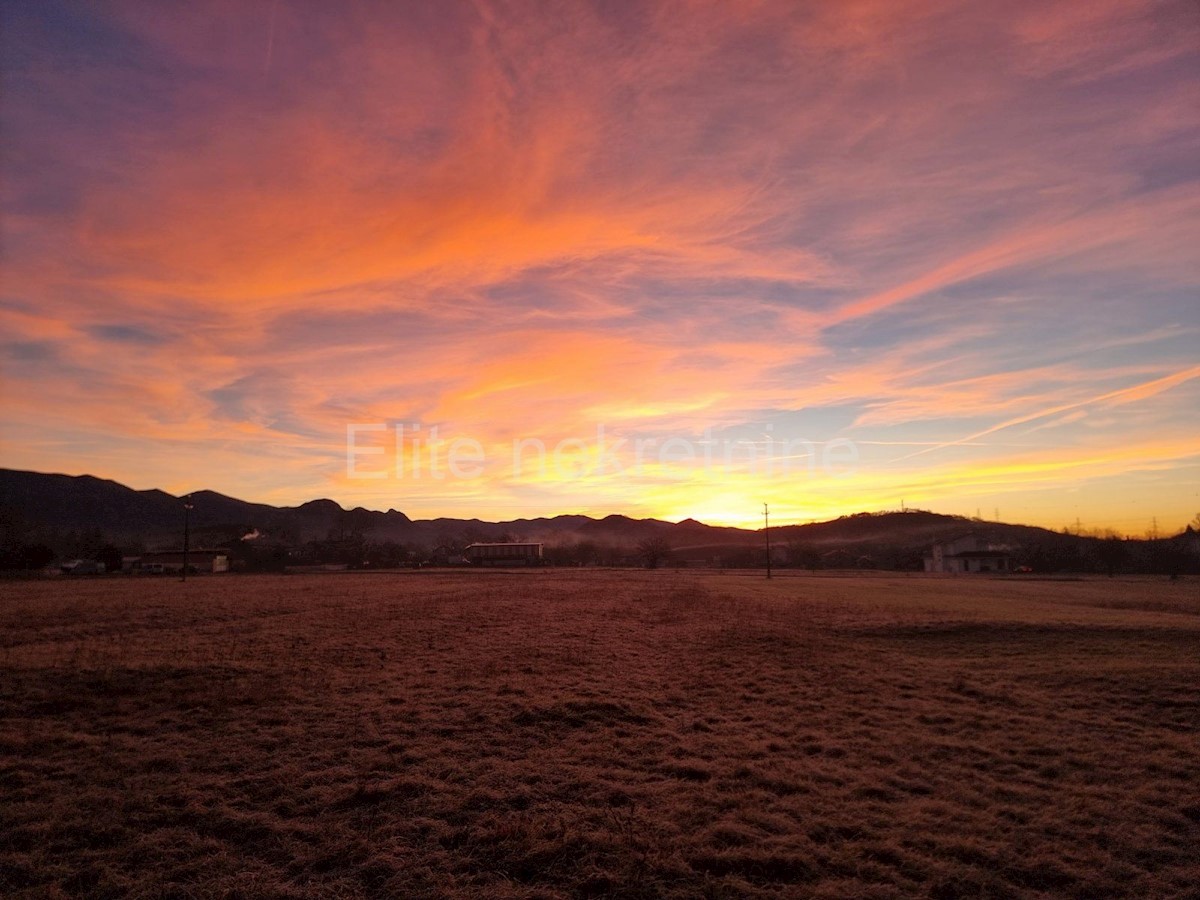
pixel 661 216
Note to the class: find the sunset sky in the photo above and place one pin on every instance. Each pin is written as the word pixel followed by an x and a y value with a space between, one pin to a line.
pixel 960 235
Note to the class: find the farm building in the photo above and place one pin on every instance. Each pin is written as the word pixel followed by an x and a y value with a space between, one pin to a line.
pixel 505 554
pixel 969 553
pixel 200 560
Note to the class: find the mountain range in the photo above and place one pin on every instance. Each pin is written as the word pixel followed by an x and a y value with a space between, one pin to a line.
pixel 63 503
pixel 79 502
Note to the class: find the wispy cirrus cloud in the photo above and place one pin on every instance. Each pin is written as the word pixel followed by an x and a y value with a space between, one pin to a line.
pixel 234 228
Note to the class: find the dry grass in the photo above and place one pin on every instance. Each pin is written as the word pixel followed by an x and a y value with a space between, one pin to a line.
pixel 547 734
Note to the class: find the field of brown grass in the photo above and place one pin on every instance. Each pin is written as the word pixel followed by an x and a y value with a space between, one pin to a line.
pixel 545 734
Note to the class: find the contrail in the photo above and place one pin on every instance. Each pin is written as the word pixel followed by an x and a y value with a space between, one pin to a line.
pixel 1124 395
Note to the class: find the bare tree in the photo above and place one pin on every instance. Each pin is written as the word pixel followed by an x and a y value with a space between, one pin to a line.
pixel 1110 553
pixel 652 551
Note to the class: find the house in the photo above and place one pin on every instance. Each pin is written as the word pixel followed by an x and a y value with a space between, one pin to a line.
pixel 968 553
pixel 504 554
pixel 199 560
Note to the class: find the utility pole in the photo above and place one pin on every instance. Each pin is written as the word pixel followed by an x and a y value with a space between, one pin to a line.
pixel 187 508
pixel 767 533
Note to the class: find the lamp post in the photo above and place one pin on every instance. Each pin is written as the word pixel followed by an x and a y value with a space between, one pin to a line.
pixel 187 508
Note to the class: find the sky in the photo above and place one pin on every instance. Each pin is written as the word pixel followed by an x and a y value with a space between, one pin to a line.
pixel 671 259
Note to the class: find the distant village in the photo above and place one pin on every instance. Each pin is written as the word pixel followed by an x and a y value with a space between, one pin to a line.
pixel 968 553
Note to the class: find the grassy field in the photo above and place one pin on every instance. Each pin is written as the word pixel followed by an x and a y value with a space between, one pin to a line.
pixel 549 733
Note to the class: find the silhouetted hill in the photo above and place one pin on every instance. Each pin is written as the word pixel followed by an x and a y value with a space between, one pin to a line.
pixel 913 527
pixel 37 507
pixel 62 503
pixel 65 502
pixel 77 502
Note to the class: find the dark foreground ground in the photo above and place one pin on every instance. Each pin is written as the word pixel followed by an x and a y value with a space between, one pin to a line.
pixel 650 734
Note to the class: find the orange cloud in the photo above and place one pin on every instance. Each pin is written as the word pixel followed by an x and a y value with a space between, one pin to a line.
pixel 233 229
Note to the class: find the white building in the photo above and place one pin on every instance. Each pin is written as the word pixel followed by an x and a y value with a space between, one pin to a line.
pixel 969 553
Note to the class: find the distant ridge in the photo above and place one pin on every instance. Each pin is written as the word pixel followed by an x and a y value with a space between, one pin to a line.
pixel 82 502
pixel 79 502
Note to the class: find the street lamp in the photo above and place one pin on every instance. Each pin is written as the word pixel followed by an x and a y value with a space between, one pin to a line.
pixel 187 508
